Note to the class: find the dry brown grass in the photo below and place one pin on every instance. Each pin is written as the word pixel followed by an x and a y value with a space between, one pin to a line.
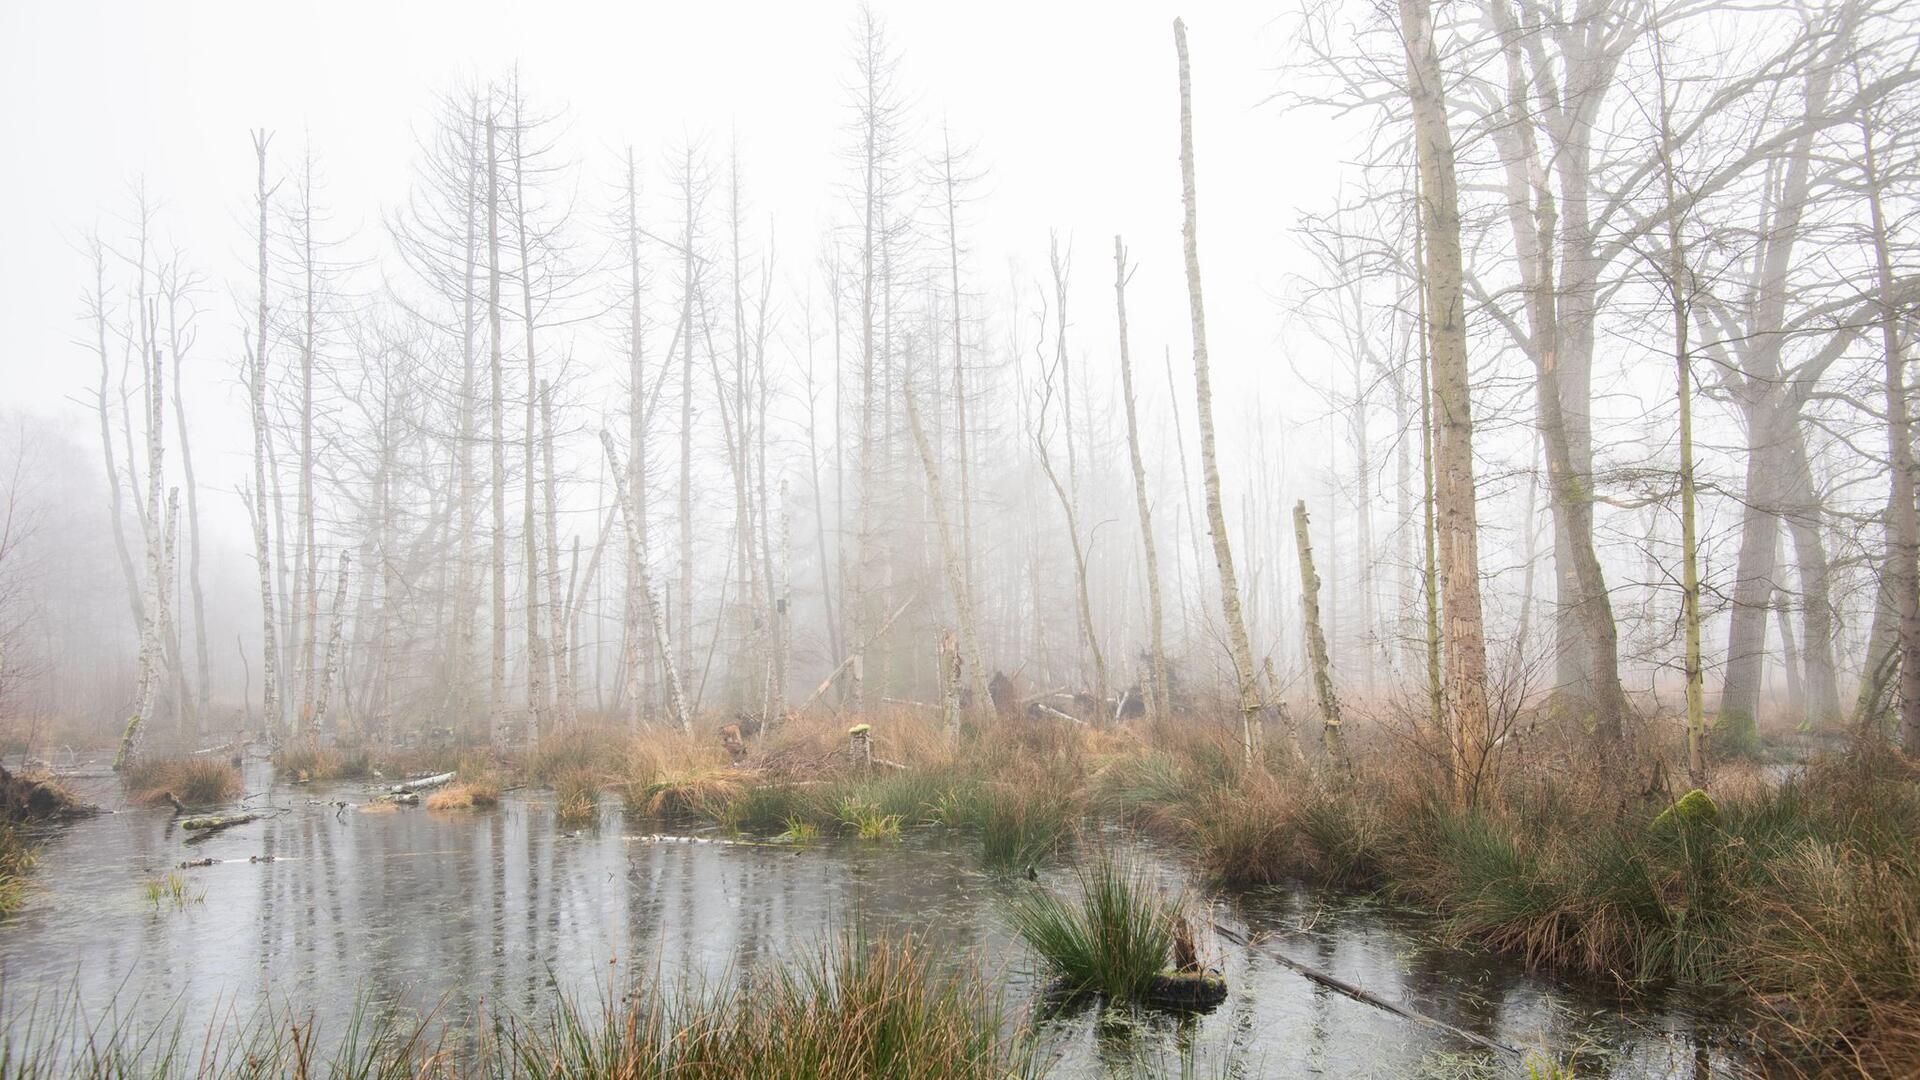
pixel 481 791
pixel 196 781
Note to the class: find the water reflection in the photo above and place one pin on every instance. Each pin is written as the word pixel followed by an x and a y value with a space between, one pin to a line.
pixel 461 911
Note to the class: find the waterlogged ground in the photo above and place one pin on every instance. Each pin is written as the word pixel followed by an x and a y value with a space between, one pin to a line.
pixel 418 911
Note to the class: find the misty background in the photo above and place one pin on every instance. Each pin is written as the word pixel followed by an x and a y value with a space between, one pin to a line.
pixel 1068 119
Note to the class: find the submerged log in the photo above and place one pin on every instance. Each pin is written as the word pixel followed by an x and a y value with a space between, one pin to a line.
pixel 213 823
pixel 1334 982
pixel 424 783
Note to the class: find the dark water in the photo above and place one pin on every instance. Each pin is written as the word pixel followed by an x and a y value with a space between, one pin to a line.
pixel 421 910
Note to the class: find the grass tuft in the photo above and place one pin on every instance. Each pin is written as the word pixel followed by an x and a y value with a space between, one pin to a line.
pixel 1113 939
pixel 170 890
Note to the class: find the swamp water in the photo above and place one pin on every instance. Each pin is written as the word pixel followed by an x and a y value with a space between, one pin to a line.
pixel 445 912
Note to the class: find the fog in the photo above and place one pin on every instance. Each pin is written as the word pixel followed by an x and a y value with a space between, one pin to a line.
pixel 1059 131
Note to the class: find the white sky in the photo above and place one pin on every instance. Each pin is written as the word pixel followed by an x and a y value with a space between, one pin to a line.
pixel 1073 107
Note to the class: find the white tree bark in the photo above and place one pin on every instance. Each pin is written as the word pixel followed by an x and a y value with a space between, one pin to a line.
pixel 1238 645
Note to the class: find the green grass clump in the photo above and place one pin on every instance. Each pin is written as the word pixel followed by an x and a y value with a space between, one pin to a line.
pixel 867 820
pixel 170 890
pixel 770 809
pixel 799 831
pixel 1020 825
pixel 1113 939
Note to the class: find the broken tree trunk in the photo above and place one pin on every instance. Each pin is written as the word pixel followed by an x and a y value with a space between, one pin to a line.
pixel 1316 640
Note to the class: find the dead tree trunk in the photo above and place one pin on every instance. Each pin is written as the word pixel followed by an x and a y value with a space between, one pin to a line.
pixel 557 609
pixel 1156 632
pixel 263 556
pixel 635 656
pixel 331 672
pixel 1237 643
pixel 537 655
pixel 179 346
pixel 637 557
pixel 1323 693
pixel 951 558
pixel 497 723
pixel 151 641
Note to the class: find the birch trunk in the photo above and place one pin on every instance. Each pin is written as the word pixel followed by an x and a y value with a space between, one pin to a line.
pixel 150 639
pixel 637 556
pixel 263 557
pixel 331 673
pixel 1238 646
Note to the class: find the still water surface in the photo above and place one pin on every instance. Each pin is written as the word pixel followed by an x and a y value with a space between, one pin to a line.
pixel 417 910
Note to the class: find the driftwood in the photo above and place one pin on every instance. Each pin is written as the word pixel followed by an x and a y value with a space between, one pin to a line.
pixel 424 783
pixel 213 823
pixel 1334 982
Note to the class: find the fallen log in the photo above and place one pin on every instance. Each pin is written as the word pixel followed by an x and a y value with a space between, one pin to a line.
pixel 1367 997
pixel 424 783
pixel 213 823
pixel 1048 710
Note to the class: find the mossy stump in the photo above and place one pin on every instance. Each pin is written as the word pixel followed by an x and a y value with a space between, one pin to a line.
pixel 1694 809
pixel 1186 990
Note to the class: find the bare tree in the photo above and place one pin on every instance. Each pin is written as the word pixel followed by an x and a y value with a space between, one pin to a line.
pixel 1156 634
pixel 1237 643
